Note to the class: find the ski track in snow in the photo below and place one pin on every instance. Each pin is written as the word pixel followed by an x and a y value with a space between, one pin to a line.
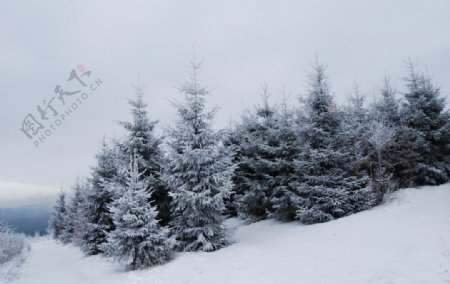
pixel 406 240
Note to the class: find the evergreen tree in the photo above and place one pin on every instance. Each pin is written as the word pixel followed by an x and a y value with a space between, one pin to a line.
pixel 354 134
pixel 355 125
pixel 99 220
pixel 142 144
pixel 393 152
pixel 58 220
pixel 198 173
pixel 255 156
pixel 386 107
pixel 382 135
pixel 381 138
pixel 137 240
pixel 367 136
pixel 328 186
pixel 285 145
pixel 76 215
pixel 425 115
pixel 233 141
pixel 404 157
pixel 266 146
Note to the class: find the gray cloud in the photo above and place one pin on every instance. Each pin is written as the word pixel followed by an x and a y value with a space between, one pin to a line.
pixel 16 194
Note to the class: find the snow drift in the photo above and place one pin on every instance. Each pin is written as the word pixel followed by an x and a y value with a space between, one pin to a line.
pixel 406 240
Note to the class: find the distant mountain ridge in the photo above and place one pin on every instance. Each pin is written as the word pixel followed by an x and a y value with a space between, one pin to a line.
pixel 28 219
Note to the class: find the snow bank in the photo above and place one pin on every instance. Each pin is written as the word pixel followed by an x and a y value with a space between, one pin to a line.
pixel 406 240
pixel 13 251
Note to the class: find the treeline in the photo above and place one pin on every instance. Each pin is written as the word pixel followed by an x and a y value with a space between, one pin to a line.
pixel 312 162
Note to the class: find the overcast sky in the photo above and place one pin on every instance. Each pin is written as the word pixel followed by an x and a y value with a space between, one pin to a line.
pixel 243 43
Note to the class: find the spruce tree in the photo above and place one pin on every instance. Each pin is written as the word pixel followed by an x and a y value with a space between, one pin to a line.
pixel 381 139
pixel 404 156
pixel 76 214
pixel 382 133
pixel 327 185
pixel 137 240
pixel 285 146
pixel 384 129
pixel 233 141
pixel 198 173
pixel 392 154
pixel 386 106
pixel 142 143
pixel 355 125
pixel 100 196
pixel 265 145
pixel 255 156
pixel 425 115
pixel 58 220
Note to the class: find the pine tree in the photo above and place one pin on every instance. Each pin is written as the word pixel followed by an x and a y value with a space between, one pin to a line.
pixel 285 145
pixel 58 220
pixel 76 214
pixel 404 157
pixel 255 156
pixel 265 146
pixel 386 107
pixel 99 220
pixel 425 115
pixel 381 138
pixel 354 134
pixel 137 240
pixel 355 125
pixel 233 141
pixel 328 186
pixel 142 143
pixel 392 154
pixel 378 137
pixel 198 173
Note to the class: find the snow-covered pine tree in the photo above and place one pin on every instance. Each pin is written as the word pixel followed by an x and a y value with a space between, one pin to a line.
pixel 284 144
pixel 403 156
pixel 386 106
pixel 327 185
pixel 254 155
pixel 355 124
pixel 198 173
pixel 137 240
pixel 354 133
pixel 392 154
pixel 76 214
pixel 381 139
pixel 142 143
pixel 233 140
pixel 265 146
pixel 58 220
pixel 368 134
pixel 382 132
pixel 384 129
pixel 100 196
pixel 425 115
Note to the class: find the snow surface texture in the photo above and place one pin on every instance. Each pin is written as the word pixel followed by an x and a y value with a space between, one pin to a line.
pixel 11 269
pixel 406 240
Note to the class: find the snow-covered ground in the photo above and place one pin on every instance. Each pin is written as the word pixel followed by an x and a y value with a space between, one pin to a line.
pixel 406 240
pixel 12 269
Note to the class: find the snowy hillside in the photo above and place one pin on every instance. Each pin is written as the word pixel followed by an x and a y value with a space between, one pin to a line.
pixel 406 240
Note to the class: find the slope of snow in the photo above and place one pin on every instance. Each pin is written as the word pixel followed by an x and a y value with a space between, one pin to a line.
pixel 406 240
